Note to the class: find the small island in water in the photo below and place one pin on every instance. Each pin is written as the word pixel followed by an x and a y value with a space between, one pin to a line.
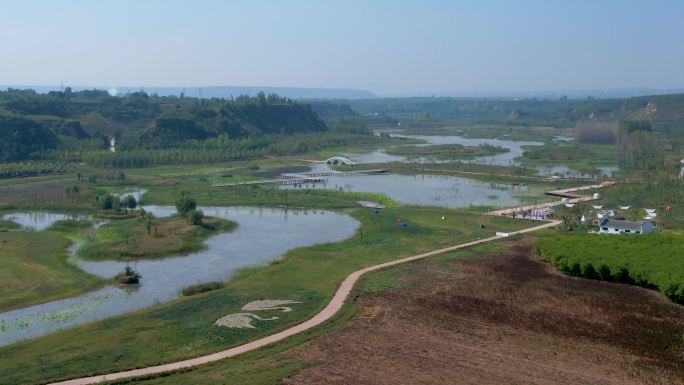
pixel 144 237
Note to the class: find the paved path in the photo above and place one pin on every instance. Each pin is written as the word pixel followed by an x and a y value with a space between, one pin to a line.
pixel 328 312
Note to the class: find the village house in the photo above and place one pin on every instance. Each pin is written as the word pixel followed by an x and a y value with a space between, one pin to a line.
pixel 618 226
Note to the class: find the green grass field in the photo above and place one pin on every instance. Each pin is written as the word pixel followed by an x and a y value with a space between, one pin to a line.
pixel 34 269
pixel 650 260
pixel 575 155
pixel 184 328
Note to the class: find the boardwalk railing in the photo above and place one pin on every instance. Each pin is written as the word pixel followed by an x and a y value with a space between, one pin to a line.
pixel 301 178
pixel 567 194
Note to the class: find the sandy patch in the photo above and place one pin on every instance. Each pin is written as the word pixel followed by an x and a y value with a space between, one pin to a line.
pixel 244 320
pixel 269 304
pixel 240 320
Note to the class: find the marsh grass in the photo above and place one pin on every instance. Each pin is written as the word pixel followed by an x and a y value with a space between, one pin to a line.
pixel 35 269
pixel 202 288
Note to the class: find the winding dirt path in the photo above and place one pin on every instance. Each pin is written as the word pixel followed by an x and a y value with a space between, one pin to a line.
pixel 328 312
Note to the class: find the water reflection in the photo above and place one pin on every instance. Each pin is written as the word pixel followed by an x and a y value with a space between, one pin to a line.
pixel 515 148
pixel 432 190
pixel 263 235
pixel 40 220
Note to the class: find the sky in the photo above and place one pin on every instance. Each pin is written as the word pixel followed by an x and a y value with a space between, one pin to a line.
pixel 388 47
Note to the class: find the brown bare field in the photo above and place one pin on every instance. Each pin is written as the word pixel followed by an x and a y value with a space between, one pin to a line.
pixel 502 319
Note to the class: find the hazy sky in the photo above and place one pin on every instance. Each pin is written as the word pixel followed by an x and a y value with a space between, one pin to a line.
pixel 388 47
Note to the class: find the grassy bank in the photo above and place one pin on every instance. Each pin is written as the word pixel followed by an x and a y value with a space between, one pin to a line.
pixel 652 260
pixel 446 151
pixel 184 328
pixel 141 238
pixel 6 225
pixel 34 269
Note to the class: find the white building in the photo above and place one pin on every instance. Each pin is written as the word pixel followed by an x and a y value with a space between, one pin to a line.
pixel 617 226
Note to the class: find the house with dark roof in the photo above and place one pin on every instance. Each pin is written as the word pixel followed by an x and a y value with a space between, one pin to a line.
pixel 619 226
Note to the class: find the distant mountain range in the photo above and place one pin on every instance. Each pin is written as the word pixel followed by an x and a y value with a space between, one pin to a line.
pixel 297 93
pixel 612 93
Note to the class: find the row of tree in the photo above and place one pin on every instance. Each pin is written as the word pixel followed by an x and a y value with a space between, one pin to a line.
pixel 112 202
pixel 638 147
pixel 221 149
pixel 32 168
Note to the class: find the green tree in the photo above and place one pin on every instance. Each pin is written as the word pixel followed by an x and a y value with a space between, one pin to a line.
pixel 117 205
pixel 130 202
pixel 104 202
pixel 23 139
pixel 638 147
pixel 185 204
pixel 195 217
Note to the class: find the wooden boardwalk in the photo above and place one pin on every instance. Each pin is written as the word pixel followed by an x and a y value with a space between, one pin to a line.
pixel 302 178
pixel 283 181
pixel 346 173
pixel 570 192
pixel 567 194
pixel 539 206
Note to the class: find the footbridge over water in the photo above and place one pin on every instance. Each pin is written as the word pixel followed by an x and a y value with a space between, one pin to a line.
pixel 338 160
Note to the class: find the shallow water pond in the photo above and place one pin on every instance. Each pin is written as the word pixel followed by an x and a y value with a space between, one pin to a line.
pixel 263 235
pixel 515 148
pixel 40 220
pixel 136 193
pixel 565 171
pixel 431 190
pixel 503 159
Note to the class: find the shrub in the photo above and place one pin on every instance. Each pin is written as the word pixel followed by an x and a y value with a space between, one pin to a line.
pixel 649 260
pixel 202 288
pixel 195 217
pixel 129 202
pixel 104 202
pixel 185 204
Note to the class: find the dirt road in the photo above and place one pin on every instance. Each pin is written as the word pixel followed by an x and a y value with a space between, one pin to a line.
pixel 328 312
